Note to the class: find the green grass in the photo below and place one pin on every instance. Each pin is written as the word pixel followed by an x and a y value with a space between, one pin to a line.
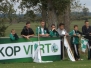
pixel 59 64
pixel 18 27
pixel 79 23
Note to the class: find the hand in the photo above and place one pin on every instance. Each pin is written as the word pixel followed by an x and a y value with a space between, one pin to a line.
pixel 27 37
pixel 46 35
pixel 75 35
pixel 79 35
pixel 90 33
pixel 66 34
pixel 53 29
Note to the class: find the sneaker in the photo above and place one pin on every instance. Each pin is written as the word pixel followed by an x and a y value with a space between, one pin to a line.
pixel 80 59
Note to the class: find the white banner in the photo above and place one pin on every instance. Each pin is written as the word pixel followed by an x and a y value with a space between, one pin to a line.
pixel 70 54
pixel 25 49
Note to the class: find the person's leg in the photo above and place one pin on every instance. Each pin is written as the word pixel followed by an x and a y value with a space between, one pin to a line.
pixel 89 51
pixel 74 52
pixel 62 44
pixel 61 50
pixel 78 56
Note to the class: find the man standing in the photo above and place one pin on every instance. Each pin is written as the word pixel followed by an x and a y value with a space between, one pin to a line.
pixel 27 32
pixel 62 32
pixel 86 29
pixel 43 31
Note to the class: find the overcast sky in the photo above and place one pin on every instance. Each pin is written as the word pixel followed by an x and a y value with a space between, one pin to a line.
pixel 87 2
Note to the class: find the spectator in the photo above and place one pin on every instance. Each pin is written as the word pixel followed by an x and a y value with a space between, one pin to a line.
pixel 43 31
pixel 13 36
pixel 27 32
pixel 75 34
pixel 61 30
pixel 86 29
pixel 53 31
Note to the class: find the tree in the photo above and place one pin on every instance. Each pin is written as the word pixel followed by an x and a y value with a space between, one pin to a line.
pixel 30 15
pixel 85 11
pixel 51 9
pixel 5 9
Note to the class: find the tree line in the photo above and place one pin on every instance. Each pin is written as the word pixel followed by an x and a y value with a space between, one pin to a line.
pixel 51 11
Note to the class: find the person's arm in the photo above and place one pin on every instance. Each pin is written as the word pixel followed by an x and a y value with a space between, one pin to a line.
pixel 72 33
pixel 47 31
pixel 57 34
pixel 16 36
pixel 32 33
pixel 12 37
pixel 66 33
pixel 51 33
pixel 80 33
pixel 90 31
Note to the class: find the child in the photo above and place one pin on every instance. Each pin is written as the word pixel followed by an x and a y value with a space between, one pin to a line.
pixel 53 32
pixel 13 36
pixel 75 34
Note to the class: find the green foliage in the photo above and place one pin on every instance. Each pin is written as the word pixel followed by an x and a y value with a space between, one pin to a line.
pixel 7 10
pixel 30 15
pixel 2 30
pixel 59 5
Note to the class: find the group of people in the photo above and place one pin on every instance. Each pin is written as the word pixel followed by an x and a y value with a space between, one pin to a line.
pixel 42 31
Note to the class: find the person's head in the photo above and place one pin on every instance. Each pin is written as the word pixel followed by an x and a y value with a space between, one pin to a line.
pixel 28 25
pixel 86 23
pixel 76 27
pixel 42 24
pixel 53 26
pixel 61 26
pixel 13 31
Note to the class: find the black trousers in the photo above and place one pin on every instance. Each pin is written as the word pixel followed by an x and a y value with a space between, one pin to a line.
pixel 62 44
pixel 76 51
pixel 89 50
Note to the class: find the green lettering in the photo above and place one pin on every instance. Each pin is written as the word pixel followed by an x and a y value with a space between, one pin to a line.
pixel 27 50
pixel 48 47
pixel 42 47
pixel 31 48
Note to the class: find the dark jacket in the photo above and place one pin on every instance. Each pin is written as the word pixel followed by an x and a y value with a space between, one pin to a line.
pixel 13 37
pixel 86 31
pixel 26 31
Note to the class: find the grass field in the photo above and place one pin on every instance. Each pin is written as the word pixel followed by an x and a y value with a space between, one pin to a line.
pixel 59 64
pixel 18 27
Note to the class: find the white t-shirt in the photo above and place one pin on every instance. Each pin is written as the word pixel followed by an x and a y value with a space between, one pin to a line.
pixel 42 30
